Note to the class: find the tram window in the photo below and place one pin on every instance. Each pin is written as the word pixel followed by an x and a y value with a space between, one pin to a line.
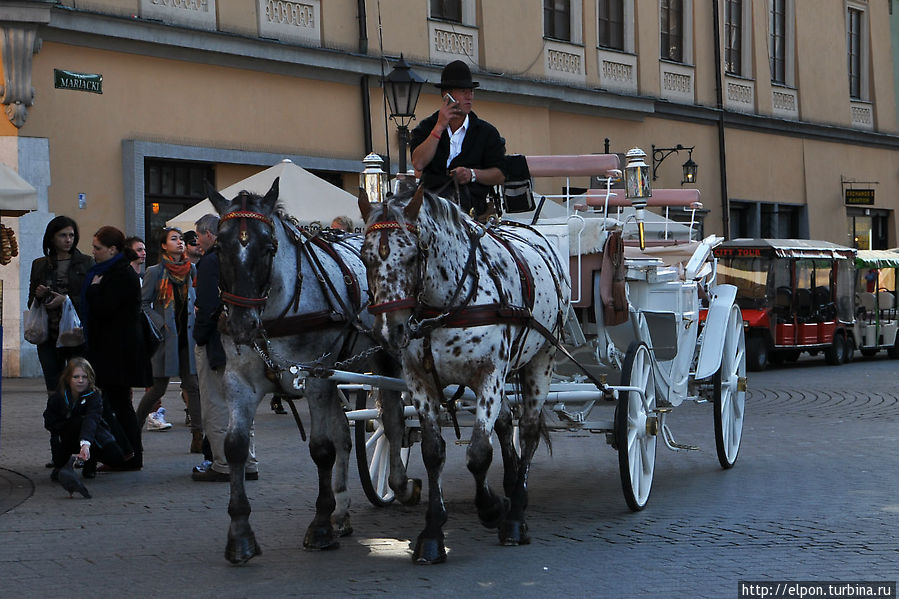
pixel 750 276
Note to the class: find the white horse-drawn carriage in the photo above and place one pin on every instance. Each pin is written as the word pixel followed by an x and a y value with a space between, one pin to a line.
pixel 482 322
pixel 661 353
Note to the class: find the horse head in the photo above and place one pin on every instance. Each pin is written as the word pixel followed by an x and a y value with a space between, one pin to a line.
pixel 393 254
pixel 247 247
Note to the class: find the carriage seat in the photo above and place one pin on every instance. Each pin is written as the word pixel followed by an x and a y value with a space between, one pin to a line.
pixel 887 303
pixel 865 303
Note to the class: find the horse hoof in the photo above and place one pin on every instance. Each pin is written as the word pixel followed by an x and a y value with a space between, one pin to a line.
pixel 414 485
pixel 493 517
pixel 513 533
pixel 320 538
pixel 343 527
pixel 240 551
pixel 429 551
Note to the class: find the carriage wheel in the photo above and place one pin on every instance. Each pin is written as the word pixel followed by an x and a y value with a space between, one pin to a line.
pixel 636 427
pixel 730 392
pixel 373 453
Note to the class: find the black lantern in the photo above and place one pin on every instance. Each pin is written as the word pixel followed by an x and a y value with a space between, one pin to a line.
pixel 690 168
pixel 402 85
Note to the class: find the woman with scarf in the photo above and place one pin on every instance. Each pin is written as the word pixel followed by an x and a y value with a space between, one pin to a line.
pixel 112 311
pixel 168 296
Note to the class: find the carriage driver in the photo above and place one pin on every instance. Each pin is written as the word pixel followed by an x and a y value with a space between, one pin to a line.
pixel 454 145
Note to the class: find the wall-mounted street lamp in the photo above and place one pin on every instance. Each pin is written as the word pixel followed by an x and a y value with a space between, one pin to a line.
pixel 372 179
pixel 660 154
pixel 637 186
pixel 402 86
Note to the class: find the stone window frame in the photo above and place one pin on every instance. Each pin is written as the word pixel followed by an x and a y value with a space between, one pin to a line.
pixel 864 57
pixel 789 43
pixel 745 49
pixel 469 14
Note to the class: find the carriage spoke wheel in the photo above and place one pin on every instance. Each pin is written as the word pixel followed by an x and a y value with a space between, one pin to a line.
pixel 730 392
pixel 373 453
pixel 636 426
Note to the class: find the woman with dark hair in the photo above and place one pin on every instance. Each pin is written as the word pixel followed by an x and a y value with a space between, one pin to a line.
pixel 59 273
pixel 74 417
pixel 168 296
pixel 111 299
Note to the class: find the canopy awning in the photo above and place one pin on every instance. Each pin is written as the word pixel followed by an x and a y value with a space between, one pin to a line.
pixel 17 196
pixel 877 259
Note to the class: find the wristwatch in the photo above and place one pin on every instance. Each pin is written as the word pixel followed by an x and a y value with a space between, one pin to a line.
pixel 473 176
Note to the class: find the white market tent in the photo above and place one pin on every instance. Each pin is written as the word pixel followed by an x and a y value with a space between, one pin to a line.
pixel 17 196
pixel 311 200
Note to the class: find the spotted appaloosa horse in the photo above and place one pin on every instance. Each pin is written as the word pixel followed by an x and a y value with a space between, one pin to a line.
pixel 295 296
pixel 468 306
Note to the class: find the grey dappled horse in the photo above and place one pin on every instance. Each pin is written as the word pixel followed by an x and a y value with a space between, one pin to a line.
pixel 296 296
pixel 469 306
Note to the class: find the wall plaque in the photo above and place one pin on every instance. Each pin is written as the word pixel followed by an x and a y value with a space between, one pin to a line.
pixel 84 82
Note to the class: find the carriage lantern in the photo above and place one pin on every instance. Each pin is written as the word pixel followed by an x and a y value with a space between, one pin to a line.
pixel 637 186
pixel 372 178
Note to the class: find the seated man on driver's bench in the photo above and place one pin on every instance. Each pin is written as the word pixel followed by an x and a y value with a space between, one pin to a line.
pixel 455 150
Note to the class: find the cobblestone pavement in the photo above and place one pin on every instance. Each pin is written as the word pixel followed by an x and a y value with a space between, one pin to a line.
pixel 814 496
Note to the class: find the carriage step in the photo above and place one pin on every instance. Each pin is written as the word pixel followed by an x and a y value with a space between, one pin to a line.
pixel 668 438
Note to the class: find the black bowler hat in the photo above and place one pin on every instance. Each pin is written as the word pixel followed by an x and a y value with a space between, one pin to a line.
pixel 456 75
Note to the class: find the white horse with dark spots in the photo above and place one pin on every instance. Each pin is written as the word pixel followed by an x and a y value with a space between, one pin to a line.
pixel 293 296
pixel 473 306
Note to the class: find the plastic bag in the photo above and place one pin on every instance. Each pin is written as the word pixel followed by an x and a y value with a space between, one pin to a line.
pixel 35 321
pixel 70 332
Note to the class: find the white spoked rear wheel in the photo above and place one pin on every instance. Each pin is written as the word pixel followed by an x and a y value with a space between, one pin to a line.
pixel 373 453
pixel 730 392
pixel 636 426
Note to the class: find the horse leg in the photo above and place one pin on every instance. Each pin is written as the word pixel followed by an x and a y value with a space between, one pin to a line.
pixel 340 432
pixel 429 547
pixel 324 448
pixel 504 431
pixel 535 378
pixel 492 508
pixel 407 490
pixel 242 545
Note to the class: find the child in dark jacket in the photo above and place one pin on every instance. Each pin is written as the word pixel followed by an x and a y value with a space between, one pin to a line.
pixel 74 417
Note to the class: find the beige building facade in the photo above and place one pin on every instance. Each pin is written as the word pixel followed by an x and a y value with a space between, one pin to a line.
pixel 117 110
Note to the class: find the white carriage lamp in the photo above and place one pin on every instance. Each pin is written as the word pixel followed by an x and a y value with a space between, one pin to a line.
pixel 637 186
pixel 402 85
pixel 690 168
pixel 372 178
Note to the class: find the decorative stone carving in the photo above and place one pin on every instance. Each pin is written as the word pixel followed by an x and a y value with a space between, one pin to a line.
pixel 199 14
pixel 564 62
pixel 677 82
pixel 862 115
pixel 290 20
pixel 740 94
pixel 785 103
pixel 452 41
pixel 617 70
pixel 18 43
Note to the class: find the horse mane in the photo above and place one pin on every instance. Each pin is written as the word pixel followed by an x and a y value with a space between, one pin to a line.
pixel 440 209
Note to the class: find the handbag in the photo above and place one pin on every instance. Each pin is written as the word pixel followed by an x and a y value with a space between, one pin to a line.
pixel 71 334
pixel 35 320
pixel 152 335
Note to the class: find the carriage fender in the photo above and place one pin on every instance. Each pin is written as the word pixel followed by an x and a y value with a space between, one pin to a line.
pixel 712 346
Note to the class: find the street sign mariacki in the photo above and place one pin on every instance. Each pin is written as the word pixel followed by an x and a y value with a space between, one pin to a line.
pixel 85 82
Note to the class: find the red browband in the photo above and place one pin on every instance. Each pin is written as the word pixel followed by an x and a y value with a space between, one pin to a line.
pixel 248 214
pixel 402 304
pixel 388 225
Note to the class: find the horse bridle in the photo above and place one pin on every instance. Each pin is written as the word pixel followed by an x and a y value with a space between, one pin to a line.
pixel 383 251
pixel 244 238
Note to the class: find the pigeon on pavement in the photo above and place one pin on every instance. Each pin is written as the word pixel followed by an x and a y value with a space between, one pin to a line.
pixel 69 480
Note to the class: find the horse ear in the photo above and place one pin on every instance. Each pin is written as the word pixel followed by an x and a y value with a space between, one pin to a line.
pixel 272 196
pixel 364 204
pixel 412 208
pixel 220 204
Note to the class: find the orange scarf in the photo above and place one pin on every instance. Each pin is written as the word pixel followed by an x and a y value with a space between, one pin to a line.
pixel 175 275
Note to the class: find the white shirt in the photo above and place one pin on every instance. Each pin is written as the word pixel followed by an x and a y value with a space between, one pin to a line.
pixel 456 139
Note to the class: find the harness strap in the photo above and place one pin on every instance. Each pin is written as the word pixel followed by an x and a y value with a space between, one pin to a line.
pixel 302 323
pixel 524 273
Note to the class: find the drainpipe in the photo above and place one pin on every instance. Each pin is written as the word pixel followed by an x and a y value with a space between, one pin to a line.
pixel 363 81
pixel 722 148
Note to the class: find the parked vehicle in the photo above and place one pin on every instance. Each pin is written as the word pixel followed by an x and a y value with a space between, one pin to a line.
pixel 796 295
pixel 876 322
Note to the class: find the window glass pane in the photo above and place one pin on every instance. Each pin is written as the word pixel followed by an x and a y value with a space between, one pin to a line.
pixel 776 45
pixel 672 31
pixel 733 37
pixel 611 24
pixel 557 19
pixel 450 10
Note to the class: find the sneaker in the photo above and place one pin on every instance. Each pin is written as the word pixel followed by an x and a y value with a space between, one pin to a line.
pixel 203 466
pixel 186 417
pixel 156 421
